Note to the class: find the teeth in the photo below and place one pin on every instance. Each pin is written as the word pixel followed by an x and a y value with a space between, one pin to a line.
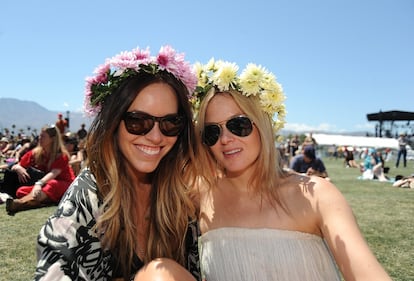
pixel 232 151
pixel 149 150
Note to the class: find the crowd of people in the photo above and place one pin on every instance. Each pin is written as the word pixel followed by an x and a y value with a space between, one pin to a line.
pixel 373 164
pixel 301 156
pixel 180 160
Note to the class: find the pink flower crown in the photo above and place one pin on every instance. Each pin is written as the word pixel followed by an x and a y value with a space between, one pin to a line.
pixel 115 70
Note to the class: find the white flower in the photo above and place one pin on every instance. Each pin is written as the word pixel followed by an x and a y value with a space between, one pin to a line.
pixel 251 79
pixel 210 65
pixel 224 77
pixel 201 74
pixel 254 80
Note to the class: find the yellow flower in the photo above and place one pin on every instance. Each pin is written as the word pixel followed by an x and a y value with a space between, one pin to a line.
pixel 225 75
pixel 201 74
pixel 210 66
pixel 254 80
pixel 251 79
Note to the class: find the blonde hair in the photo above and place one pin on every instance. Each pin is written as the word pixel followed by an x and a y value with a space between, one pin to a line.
pixel 56 148
pixel 268 171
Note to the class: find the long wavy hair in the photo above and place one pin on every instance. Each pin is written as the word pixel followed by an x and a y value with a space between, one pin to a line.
pixel 268 171
pixel 56 148
pixel 170 206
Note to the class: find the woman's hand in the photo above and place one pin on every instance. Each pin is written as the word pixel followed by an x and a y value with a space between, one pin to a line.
pixel 311 172
pixel 36 191
pixel 21 173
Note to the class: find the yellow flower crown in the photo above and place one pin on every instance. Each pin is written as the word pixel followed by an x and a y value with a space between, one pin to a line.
pixel 254 80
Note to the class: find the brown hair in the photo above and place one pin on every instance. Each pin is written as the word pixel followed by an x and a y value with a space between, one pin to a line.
pixel 170 207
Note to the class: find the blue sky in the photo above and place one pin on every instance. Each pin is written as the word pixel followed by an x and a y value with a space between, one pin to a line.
pixel 336 60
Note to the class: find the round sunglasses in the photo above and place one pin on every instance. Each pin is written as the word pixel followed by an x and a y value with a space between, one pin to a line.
pixel 140 123
pixel 240 126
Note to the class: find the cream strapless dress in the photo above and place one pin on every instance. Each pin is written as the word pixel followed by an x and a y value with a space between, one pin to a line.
pixel 236 254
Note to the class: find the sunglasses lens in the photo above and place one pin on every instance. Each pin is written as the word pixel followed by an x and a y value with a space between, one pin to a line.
pixel 240 126
pixel 211 134
pixel 138 124
pixel 172 125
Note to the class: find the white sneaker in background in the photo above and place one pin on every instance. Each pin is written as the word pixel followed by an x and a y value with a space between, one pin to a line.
pixel 4 197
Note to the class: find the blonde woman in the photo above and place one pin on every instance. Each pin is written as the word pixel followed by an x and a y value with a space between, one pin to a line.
pixel 51 159
pixel 257 221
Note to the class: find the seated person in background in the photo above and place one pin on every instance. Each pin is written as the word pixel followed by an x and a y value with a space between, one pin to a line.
pixel 372 167
pixel 4 142
pixel 50 157
pixel 7 146
pixel 401 181
pixel 71 144
pixel 308 163
pixel 24 146
pixel 349 157
pixel 78 156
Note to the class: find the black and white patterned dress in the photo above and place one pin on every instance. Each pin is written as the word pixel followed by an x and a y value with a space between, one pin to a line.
pixel 69 249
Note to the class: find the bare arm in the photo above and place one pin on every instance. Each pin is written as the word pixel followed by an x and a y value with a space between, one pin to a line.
pixel 340 229
pixel 37 188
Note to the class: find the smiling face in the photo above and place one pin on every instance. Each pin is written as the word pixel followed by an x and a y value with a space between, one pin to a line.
pixel 236 154
pixel 144 152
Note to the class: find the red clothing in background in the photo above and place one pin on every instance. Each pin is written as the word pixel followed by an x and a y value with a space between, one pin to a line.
pixel 54 188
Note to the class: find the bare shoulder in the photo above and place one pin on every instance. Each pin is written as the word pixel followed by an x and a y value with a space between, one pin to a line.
pixel 312 189
pixel 309 201
pixel 306 184
pixel 325 190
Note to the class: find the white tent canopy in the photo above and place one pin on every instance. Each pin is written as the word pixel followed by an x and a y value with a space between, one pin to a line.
pixel 355 141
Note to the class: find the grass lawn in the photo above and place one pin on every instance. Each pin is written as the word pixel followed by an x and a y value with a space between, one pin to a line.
pixel 384 213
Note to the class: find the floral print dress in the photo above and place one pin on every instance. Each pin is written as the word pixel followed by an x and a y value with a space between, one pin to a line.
pixel 69 249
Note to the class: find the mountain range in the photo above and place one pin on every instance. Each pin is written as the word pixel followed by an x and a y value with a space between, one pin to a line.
pixel 27 117
pixel 20 115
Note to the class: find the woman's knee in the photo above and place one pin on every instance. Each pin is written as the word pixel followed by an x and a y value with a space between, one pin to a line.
pixel 163 269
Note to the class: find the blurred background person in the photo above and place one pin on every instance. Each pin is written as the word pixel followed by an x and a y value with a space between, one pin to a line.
pixel 50 157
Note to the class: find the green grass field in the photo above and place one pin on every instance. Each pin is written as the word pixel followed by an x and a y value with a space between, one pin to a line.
pixel 384 213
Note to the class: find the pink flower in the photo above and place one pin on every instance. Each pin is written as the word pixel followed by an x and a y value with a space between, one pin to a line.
pixel 167 59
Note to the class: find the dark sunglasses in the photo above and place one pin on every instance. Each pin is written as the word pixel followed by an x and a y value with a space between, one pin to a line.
pixel 139 123
pixel 240 126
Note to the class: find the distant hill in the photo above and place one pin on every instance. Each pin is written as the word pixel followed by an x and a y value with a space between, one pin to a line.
pixel 24 114
pixel 29 114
